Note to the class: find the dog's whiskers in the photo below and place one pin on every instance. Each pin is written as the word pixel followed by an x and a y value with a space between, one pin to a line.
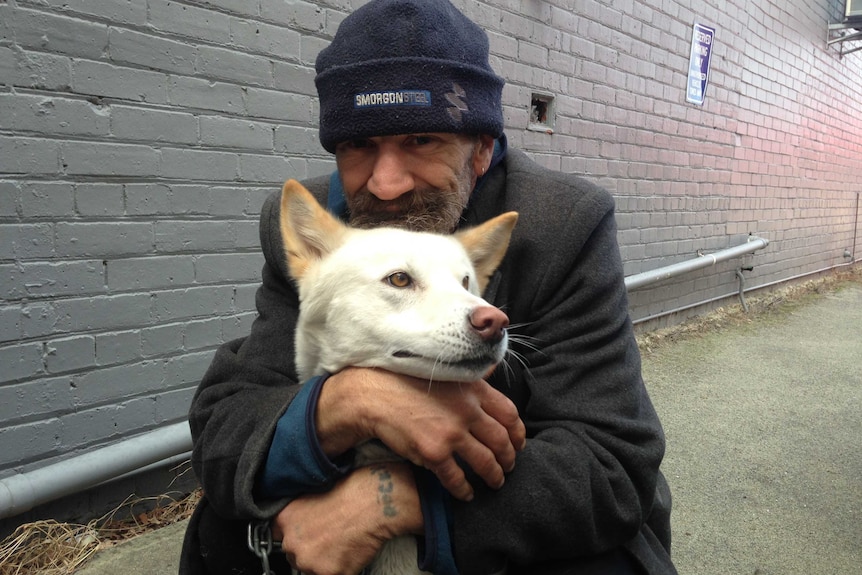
pixel 522 360
pixel 525 341
pixel 437 361
pixel 529 343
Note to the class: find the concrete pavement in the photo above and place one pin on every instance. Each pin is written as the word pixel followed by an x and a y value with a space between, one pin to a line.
pixel 154 553
pixel 764 428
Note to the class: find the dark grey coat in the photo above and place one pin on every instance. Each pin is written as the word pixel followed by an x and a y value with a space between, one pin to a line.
pixel 588 481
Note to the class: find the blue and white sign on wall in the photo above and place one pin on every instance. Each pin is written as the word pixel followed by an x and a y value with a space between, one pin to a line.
pixel 698 66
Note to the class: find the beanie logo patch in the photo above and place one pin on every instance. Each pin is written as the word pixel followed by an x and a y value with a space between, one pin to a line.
pixel 459 106
pixel 392 98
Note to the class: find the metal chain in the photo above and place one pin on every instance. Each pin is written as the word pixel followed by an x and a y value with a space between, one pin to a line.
pixel 261 544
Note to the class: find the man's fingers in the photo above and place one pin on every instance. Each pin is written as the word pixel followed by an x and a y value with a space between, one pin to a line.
pixel 452 478
pixel 494 433
pixel 502 409
pixel 490 435
pixel 485 463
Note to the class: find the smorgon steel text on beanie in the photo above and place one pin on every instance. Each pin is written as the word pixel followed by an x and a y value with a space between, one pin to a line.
pixel 407 67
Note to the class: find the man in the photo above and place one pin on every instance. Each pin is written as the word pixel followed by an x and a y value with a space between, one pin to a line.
pixel 550 466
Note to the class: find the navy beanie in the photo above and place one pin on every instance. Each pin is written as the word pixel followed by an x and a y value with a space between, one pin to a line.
pixel 406 67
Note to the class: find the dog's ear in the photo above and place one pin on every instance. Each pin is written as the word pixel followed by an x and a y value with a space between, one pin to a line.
pixel 309 232
pixel 486 245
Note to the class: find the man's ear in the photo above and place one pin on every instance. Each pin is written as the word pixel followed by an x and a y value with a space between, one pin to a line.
pixel 308 231
pixel 487 243
pixel 482 154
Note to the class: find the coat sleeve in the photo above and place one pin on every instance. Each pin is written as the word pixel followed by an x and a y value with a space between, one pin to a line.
pixel 586 481
pixel 246 389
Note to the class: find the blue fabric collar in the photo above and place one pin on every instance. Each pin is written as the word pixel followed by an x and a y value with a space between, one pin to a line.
pixel 335 201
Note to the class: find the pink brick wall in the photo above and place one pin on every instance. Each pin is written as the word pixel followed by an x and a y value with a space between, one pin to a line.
pixel 776 149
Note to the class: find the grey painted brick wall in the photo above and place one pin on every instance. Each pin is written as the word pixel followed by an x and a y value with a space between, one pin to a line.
pixel 138 141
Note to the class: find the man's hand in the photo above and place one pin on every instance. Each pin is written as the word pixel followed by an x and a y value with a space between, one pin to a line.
pixel 426 423
pixel 340 531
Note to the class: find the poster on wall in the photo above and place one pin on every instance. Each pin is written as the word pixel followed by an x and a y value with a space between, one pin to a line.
pixel 698 65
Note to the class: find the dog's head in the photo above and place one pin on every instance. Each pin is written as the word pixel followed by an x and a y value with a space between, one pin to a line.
pixel 408 302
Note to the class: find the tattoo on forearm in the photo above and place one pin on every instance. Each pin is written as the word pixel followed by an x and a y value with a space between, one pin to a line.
pixel 384 490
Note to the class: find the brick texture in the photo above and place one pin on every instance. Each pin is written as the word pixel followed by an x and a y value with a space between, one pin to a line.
pixel 138 142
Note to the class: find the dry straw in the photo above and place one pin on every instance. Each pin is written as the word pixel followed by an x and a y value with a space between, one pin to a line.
pixel 47 548
pixel 52 548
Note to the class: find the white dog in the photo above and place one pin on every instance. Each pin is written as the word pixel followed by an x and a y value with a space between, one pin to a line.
pixel 407 302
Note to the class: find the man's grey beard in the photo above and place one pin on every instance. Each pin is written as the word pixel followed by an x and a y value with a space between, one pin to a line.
pixel 421 209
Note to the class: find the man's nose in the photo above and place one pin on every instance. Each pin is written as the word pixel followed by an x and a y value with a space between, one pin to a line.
pixel 390 177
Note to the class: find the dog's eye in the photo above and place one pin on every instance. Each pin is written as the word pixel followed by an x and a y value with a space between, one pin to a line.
pixel 399 280
pixel 466 282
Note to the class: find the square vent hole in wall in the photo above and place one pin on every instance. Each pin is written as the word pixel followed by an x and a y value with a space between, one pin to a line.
pixel 542 114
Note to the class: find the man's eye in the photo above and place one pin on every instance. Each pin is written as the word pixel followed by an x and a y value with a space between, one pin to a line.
pixel 357 144
pixel 399 280
pixel 421 140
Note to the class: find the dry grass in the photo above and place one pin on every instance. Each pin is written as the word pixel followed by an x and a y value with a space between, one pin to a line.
pixel 162 511
pixel 51 548
pixel 47 547
pixel 761 307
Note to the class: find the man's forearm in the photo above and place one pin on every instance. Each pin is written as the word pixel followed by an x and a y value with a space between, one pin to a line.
pixel 341 530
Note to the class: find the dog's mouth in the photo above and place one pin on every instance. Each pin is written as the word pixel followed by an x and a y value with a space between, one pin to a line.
pixel 404 354
pixel 473 363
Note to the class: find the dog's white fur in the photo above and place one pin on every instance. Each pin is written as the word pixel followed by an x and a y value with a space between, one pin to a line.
pixel 407 302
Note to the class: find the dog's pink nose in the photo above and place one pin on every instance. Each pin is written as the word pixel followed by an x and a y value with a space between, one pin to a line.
pixel 489 322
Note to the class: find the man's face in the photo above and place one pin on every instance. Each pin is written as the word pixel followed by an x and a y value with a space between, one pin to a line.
pixel 415 181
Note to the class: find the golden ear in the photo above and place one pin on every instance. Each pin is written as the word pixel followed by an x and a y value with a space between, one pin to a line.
pixel 486 244
pixel 308 231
